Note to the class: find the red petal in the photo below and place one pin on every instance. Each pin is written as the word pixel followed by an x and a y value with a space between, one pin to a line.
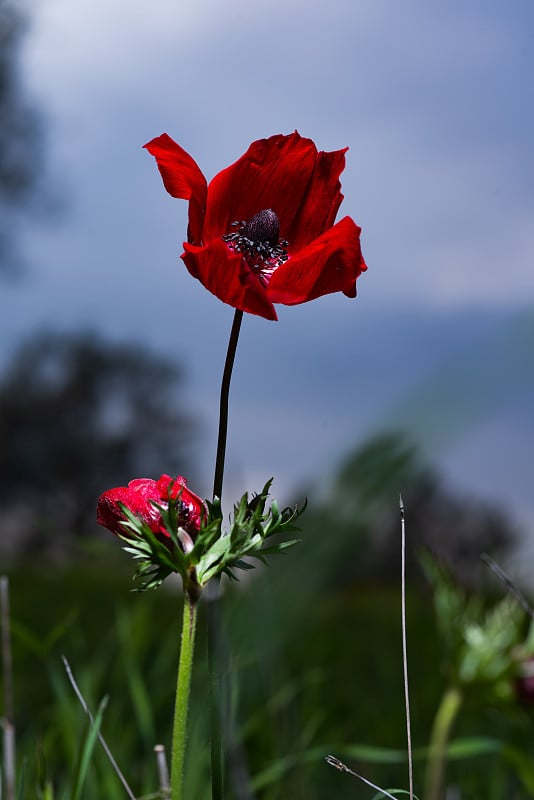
pixel 182 179
pixel 228 277
pixel 273 173
pixel 331 263
pixel 178 486
pixel 137 496
pixel 174 487
pixel 321 202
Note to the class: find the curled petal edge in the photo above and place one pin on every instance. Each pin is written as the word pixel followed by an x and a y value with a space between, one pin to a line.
pixel 331 263
pixel 183 179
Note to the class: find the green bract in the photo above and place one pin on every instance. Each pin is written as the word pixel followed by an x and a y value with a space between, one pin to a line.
pixel 215 550
pixel 480 641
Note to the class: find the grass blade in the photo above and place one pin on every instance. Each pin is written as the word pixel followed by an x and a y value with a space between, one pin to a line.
pixel 87 750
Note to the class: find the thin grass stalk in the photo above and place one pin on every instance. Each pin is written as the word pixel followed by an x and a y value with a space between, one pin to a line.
pixel 510 587
pixel 405 647
pixel 332 761
pixel 101 739
pixel 163 771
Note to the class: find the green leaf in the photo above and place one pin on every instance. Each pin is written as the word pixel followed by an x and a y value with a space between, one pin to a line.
pixel 215 550
pixel 87 751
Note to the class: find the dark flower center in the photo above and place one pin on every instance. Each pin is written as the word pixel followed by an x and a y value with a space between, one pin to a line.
pixel 263 227
pixel 258 239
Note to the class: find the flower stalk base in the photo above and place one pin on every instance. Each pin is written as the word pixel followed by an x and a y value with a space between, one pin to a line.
pixel 183 687
pixel 439 740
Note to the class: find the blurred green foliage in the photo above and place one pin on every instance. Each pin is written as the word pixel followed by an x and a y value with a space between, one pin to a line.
pixel 314 663
pixel 302 686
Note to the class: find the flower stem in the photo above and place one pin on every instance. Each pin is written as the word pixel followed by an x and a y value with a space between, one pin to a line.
pixel 183 686
pixel 213 607
pixel 223 406
pixel 439 739
pixel 214 690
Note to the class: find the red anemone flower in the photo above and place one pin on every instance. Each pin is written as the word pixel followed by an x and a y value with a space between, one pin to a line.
pixel 281 187
pixel 141 497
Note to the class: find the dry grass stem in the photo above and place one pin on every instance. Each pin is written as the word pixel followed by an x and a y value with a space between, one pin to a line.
pixel 511 588
pixel 332 761
pixel 405 647
pixel 163 771
pixel 101 739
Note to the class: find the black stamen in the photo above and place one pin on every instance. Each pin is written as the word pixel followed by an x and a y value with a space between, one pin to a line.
pixel 258 239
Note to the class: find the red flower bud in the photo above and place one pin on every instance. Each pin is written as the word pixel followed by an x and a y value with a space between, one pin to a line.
pixel 142 496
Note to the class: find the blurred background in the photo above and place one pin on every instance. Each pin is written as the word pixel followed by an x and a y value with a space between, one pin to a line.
pixel 111 354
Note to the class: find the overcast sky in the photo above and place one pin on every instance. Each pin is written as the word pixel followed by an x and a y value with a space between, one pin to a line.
pixel 435 103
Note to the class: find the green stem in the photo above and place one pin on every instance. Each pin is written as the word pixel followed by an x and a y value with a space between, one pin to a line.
pixel 214 688
pixel 213 609
pixel 439 740
pixel 183 686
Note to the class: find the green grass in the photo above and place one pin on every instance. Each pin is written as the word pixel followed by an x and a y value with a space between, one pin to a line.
pixel 314 668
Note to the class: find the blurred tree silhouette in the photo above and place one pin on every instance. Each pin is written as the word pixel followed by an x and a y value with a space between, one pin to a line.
pixel 352 540
pixel 362 513
pixel 77 416
pixel 20 134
